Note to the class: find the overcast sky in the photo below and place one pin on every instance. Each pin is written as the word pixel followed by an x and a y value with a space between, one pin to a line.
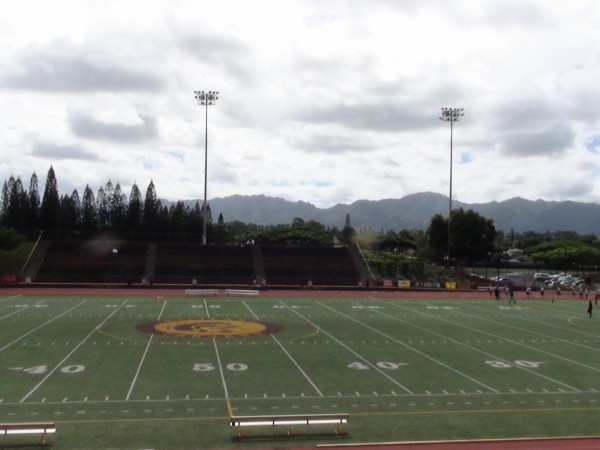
pixel 322 101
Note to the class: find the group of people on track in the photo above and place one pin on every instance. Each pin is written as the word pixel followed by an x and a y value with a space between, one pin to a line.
pixel 509 292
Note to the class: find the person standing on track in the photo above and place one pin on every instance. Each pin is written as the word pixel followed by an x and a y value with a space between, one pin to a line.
pixel 590 307
pixel 511 295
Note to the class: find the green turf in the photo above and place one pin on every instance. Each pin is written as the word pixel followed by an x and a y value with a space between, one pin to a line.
pixel 404 369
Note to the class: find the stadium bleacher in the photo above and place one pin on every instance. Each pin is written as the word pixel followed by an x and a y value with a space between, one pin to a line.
pixel 194 264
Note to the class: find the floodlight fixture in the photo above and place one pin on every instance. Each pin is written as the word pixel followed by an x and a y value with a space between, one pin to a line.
pixel 205 99
pixel 450 115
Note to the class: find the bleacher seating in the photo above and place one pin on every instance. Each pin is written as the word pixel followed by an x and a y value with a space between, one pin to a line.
pixel 106 262
pixel 93 262
pixel 207 264
pixel 322 266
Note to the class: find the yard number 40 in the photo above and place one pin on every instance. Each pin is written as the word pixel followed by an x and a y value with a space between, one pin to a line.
pixel 518 363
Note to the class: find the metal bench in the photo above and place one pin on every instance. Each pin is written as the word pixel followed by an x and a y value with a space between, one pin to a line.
pixel 241 292
pixel 41 428
pixel 202 292
pixel 241 422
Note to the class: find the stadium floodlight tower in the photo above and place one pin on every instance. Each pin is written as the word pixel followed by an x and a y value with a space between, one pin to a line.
pixel 205 99
pixel 450 115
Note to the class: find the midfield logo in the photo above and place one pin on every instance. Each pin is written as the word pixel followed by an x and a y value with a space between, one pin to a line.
pixel 203 328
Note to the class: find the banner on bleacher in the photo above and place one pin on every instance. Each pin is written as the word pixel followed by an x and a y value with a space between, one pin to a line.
pixel 404 283
pixel 450 284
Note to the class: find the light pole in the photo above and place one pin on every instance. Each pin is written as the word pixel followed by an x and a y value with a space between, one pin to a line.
pixel 450 115
pixel 205 98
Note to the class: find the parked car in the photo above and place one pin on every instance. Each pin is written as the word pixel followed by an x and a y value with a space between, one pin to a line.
pixel 542 277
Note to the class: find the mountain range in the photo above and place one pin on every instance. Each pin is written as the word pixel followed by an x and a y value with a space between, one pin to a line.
pixel 410 212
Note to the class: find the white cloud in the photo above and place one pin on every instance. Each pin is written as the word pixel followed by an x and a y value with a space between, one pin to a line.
pixel 325 102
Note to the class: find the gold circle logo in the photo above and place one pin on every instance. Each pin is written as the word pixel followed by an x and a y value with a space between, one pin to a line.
pixel 203 328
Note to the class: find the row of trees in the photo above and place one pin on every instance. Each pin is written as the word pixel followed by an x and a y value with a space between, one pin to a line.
pixel 473 238
pixel 135 217
pixel 109 210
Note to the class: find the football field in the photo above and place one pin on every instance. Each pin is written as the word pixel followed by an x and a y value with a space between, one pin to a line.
pixel 135 371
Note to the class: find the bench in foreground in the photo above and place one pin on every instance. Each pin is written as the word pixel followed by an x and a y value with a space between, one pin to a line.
pixel 289 421
pixel 206 292
pixel 41 428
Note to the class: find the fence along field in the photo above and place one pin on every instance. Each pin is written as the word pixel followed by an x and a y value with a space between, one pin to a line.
pixel 142 372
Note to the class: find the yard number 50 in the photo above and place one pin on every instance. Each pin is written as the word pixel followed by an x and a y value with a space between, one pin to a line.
pixel 207 367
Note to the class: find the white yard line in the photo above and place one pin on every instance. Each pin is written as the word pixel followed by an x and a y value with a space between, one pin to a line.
pixel 20 310
pixel 50 373
pixel 225 390
pixel 137 372
pixel 362 358
pixel 41 326
pixel 304 374
pixel 591 335
pixel 476 349
pixel 387 336
pixel 10 298
pixel 223 382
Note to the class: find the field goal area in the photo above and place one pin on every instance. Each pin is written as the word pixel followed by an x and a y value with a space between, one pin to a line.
pixel 147 371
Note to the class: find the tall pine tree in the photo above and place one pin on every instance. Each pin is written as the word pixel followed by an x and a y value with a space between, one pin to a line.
pixel 134 209
pixel 50 211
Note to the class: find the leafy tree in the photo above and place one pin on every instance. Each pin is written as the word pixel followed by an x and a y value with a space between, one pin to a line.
pixel 10 238
pixel 471 236
pixel 393 241
pixel 565 254
pixel 437 237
